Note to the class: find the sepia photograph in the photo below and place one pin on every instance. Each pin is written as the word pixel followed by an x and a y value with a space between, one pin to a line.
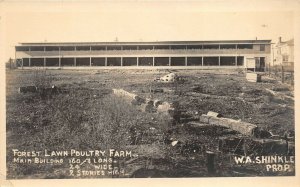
pixel 142 89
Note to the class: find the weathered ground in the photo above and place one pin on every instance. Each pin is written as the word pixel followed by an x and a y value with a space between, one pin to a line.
pixel 85 116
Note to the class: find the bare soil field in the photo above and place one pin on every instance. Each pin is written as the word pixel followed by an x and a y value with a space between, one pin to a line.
pixel 85 115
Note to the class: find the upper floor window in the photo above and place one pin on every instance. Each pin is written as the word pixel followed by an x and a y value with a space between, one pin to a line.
pixel 22 48
pixel 210 46
pixel 130 47
pixel 245 46
pixel 67 48
pixel 194 47
pixel 98 48
pixel 161 47
pixel 114 48
pixel 51 48
pixel 178 47
pixel 83 48
pixel 36 48
pixel 227 46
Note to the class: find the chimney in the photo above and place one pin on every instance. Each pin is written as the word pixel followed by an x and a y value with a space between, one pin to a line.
pixel 279 39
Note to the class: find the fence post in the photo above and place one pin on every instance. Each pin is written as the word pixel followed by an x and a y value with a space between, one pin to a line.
pixel 210 162
pixel 282 74
pixel 292 78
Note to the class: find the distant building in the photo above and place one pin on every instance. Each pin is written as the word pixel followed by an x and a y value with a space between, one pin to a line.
pixel 284 53
pixel 251 54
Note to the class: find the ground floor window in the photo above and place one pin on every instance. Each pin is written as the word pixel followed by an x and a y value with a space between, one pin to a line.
pixel 98 61
pixel 240 61
pixel 129 61
pixel 25 62
pixel 145 61
pixel 161 61
pixel 52 61
pixel 194 61
pixel 114 61
pixel 210 61
pixel 67 61
pixel 37 62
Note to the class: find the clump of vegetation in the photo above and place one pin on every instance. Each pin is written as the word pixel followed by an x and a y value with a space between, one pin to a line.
pixel 42 79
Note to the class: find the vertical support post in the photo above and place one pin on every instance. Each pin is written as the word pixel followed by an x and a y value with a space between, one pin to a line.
pixel 105 60
pixel 74 61
pixel 44 62
pixel 282 74
pixel 269 69
pixel 293 78
pixel 137 60
pixel 121 60
pixel 245 147
pixel 10 63
pixel 22 63
pixel 169 61
pixel 90 60
pixel 185 61
pixel 153 61
pixel 29 59
pixel 219 61
pixel 235 60
pixel 210 162
pixel 202 60
pixel 59 57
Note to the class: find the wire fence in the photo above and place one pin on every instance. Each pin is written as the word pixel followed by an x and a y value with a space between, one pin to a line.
pixel 283 73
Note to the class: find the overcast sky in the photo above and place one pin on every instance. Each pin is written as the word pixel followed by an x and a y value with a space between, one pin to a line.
pixel 142 21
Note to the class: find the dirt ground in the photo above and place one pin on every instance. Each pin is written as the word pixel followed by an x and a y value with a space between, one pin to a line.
pixel 64 121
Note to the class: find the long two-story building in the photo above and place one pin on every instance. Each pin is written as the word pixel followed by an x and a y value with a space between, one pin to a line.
pixel 251 54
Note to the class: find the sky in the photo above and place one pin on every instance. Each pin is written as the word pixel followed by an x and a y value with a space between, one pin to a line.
pixel 96 21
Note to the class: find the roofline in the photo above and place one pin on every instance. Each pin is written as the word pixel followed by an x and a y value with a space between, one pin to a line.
pixel 149 43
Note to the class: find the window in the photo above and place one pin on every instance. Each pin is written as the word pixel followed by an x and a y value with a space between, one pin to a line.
pixel 82 48
pixel 98 48
pixel 21 48
pixel 114 47
pixel 67 48
pixel 178 47
pixel 37 48
pixel 227 46
pixel 210 46
pixel 194 47
pixel 51 48
pixel 245 46
pixel 161 47
pixel 129 47
pixel 285 58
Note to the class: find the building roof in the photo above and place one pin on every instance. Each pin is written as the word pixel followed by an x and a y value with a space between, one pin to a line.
pixel 149 43
pixel 288 42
